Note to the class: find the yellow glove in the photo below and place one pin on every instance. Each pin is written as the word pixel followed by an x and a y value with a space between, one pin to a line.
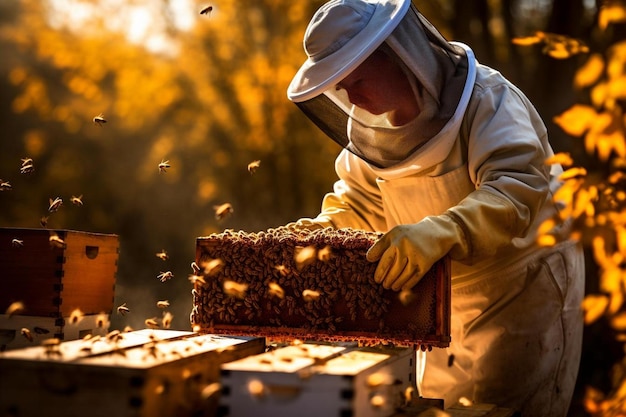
pixel 474 229
pixel 407 252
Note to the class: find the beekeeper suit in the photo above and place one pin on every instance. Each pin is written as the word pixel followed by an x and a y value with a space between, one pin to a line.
pixel 464 177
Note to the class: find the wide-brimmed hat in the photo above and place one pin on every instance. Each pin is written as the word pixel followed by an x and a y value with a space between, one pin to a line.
pixel 340 36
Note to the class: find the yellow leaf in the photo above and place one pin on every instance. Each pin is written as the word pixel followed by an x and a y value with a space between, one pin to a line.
pixel 573 173
pixel 618 322
pixel 526 41
pixel 589 73
pixel 563 158
pixel 576 120
pixel 613 13
pixel 594 307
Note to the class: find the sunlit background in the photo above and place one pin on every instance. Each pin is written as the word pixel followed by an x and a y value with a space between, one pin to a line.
pixel 204 92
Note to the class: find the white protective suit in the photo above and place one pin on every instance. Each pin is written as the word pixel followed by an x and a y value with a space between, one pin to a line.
pixel 516 317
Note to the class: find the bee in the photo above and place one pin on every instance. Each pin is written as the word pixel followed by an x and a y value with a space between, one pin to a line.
pixel 114 336
pixel 122 310
pixel 378 379
pixel 55 204
pixel 15 308
pixel 76 316
pixel 222 211
pixel 406 297
pixel 167 320
pixel 164 165
pixel 152 323
pixel 162 255
pixel 256 388
pixel 197 278
pixel 27 166
pixel 212 266
pixel 210 390
pixel 207 10
pixel 282 269
pixel 77 201
pixel 52 346
pixel 27 334
pixel 304 256
pixel 324 254
pixel 450 360
pixel 253 166
pixel 235 289
pixel 127 329
pixel 163 304
pixel 40 330
pixel 43 221
pixel 101 320
pixel 17 243
pixel 56 241
pixel 377 401
pixel 99 120
pixel 5 186
pixel 165 276
pixel 310 295
pixel 276 290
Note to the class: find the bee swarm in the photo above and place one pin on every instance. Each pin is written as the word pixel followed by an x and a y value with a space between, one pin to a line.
pixel 265 286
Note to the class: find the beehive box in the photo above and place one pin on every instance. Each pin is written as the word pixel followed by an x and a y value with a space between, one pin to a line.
pixel 147 373
pixel 261 284
pixel 319 380
pixel 41 328
pixel 52 277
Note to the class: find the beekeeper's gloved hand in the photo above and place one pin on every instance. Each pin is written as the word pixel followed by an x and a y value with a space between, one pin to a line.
pixel 309 224
pixel 477 227
pixel 408 251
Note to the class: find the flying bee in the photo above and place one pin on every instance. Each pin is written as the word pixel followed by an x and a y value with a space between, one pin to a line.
pixel 152 323
pixel 212 266
pixel 40 330
pixel 207 10
pixel 310 295
pixel 253 166
pixel 164 165
pixel 27 166
pixel 167 320
pixel 276 290
pixel 165 276
pixel 5 186
pixel 99 120
pixel 122 310
pixel 162 255
pixel 15 308
pixel 163 304
pixel 197 278
pixel 223 210
pixel 76 316
pixel 43 221
pixel 55 204
pixel 235 289
pixel 56 241
pixel 210 390
pixel 304 256
pixel 77 201
pixel 17 243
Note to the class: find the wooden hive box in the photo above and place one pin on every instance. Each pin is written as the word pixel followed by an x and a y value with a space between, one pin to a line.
pixel 258 284
pixel 52 278
pixel 319 380
pixel 146 373
pixel 42 328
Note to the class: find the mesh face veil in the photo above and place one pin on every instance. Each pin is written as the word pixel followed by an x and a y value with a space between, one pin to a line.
pixel 435 70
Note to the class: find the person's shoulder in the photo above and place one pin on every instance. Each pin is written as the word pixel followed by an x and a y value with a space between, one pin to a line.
pixel 488 78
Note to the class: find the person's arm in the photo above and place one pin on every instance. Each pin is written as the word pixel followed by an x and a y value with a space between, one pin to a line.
pixel 355 201
pixel 507 147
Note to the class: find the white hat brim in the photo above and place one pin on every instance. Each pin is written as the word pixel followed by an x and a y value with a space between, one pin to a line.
pixel 313 78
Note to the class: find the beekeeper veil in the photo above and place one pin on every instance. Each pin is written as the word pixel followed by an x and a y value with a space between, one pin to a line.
pixel 342 35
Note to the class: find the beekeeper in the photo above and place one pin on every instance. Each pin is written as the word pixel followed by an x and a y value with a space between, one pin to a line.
pixel 446 157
